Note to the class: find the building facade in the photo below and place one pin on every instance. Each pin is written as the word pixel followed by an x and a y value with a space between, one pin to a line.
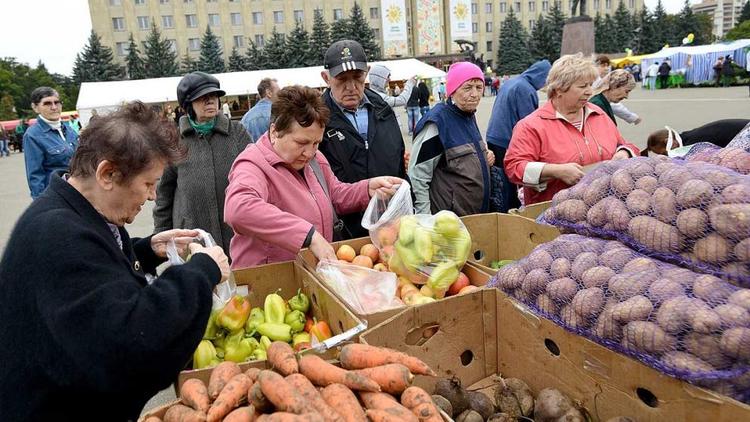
pixel 724 14
pixel 427 29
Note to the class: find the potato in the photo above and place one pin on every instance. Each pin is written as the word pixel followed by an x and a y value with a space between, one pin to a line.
pixel 712 289
pixel 663 289
pixel 637 308
pixel 655 235
pixel 596 276
pixel 735 343
pixel 559 268
pixel 694 193
pixel 582 263
pixel 661 168
pixel 622 183
pixel 607 327
pixel 562 290
pixel 597 215
pixel 663 204
pixel 522 296
pixel 742 250
pixel 564 248
pixel 717 178
pixel 648 337
pixel 535 282
pixel 674 177
pixel 680 275
pixel 510 276
pixel 740 298
pixel 638 202
pixel 561 196
pixel 572 319
pixel 572 210
pixel 546 305
pixel 640 264
pixel 647 183
pixel 736 270
pixel 625 286
pixel 736 159
pixel 616 258
pixel 596 190
pixel 692 222
pixel 733 316
pixel 736 194
pixel 686 362
pixel 588 303
pixel 619 216
pixel 731 220
pixel 672 315
pixel 537 259
pixel 707 348
pixel 704 320
pixel 713 249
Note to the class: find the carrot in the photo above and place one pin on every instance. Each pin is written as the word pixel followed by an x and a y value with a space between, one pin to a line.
pixel 341 398
pixel 386 402
pixel 427 412
pixel 256 398
pixel 393 378
pixel 360 356
pixel 312 395
pixel 377 415
pixel 252 373
pixel 241 414
pixel 322 373
pixel 182 413
pixel 220 376
pixel 420 403
pixel 195 394
pixel 233 394
pixel 290 417
pixel 282 394
pixel 281 357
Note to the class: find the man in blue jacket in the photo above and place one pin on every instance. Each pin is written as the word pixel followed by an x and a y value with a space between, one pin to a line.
pixel 517 99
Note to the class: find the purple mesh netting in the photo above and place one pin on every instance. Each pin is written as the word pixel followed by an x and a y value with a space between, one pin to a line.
pixel 736 159
pixel 741 140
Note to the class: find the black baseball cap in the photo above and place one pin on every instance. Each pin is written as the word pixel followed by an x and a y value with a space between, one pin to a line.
pixel 343 56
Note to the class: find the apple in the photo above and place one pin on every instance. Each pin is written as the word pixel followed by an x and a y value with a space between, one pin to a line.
pixel 346 253
pixel 468 289
pixel 461 282
pixel 380 267
pixel 362 261
pixel 371 251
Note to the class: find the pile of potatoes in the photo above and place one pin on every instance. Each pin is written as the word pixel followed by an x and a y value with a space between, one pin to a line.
pixel 736 159
pixel 687 324
pixel 689 213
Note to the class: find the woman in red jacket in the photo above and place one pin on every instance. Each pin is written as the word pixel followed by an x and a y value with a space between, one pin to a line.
pixel 550 146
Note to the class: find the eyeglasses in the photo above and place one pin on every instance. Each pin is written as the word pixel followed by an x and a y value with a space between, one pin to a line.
pixel 50 103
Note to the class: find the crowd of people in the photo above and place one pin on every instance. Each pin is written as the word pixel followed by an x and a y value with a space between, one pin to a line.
pixel 295 172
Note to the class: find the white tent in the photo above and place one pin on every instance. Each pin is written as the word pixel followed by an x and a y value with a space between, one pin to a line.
pixel 106 96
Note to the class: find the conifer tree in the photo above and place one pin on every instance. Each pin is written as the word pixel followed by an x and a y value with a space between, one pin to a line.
pixel 360 31
pixel 623 25
pixel 255 58
pixel 513 54
pixel 298 46
pixel 133 61
pixel 320 39
pixel 662 26
pixel 211 59
pixel 340 30
pixel 555 23
pixel 159 58
pixel 96 62
pixel 745 13
pixel 236 62
pixel 275 51
pixel 188 64
pixel 540 41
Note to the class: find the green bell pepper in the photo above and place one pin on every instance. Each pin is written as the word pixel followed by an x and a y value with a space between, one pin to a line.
pixel 300 302
pixel 276 332
pixel 257 317
pixel 204 354
pixel 260 354
pixel 296 320
pixel 265 343
pixel 236 349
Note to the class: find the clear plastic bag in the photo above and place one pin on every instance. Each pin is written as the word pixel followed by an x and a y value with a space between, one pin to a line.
pixel 366 291
pixel 382 216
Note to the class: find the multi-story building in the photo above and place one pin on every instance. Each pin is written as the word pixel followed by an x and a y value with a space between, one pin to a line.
pixel 423 28
pixel 724 14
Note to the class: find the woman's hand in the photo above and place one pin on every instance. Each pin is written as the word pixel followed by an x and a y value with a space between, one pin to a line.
pixel 407 158
pixel 490 158
pixel 181 237
pixel 569 173
pixel 320 247
pixel 621 155
pixel 217 254
pixel 385 186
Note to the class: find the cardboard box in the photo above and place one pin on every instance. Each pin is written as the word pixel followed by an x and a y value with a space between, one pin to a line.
pixel 502 236
pixel 288 277
pixel 532 211
pixel 486 333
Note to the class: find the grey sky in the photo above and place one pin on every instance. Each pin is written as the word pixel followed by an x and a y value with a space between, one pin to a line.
pixel 53 31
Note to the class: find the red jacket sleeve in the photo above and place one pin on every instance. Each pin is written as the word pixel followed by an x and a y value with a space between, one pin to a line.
pixel 525 147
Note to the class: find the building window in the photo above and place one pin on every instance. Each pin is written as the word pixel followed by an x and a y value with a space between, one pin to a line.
pixel 278 16
pixel 173 45
pixel 474 27
pixel 532 6
pixel 194 44
pixel 164 1
pixel 502 7
pixel 143 23
pixel 239 41
pixel 608 4
pixel 338 14
pixel 236 19
pixel 376 33
pixel 545 6
pixel 167 22
pixel 118 24
pixel 191 21
pixel 258 18
pixel 299 16
pixel 488 26
pixel 260 41
pixel 374 13
pixel 187 1
pixel 597 4
pixel 474 8
pixel 489 45
pixel 517 7
pixel 210 1
pixel 532 22
pixel 122 48
pixel 631 4
pixel 488 8
pixel 138 2
pixel 214 20
pixel 115 2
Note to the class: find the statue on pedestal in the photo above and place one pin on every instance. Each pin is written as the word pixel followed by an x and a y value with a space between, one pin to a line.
pixel 582 9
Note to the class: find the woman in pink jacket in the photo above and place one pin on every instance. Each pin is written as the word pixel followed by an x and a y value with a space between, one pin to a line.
pixel 550 146
pixel 275 201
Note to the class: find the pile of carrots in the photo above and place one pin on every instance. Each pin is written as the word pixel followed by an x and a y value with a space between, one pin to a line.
pixel 372 383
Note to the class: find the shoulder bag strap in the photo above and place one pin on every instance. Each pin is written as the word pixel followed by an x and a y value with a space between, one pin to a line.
pixel 315 166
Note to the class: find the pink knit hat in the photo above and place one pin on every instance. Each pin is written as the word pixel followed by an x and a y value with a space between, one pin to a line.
pixel 459 73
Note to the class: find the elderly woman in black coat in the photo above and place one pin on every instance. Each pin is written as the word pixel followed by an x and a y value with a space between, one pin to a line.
pixel 85 336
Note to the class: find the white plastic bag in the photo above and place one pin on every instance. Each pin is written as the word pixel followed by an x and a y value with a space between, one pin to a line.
pixel 382 216
pixel 365 290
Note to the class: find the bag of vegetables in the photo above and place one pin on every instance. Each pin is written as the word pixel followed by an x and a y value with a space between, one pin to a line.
pixel 365 290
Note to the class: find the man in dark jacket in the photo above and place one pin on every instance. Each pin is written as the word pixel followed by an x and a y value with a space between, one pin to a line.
pixel 362 138
pixel 424 98
pixel 412 109
pixel 517 99
pixel 664 70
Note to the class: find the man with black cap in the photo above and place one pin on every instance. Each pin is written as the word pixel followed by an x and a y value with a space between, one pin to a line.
pixel 362 138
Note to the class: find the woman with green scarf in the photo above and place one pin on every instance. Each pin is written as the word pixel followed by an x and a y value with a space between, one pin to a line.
pixel 190 194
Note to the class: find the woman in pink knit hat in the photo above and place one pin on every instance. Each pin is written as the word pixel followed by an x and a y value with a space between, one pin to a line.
pixel 450 162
